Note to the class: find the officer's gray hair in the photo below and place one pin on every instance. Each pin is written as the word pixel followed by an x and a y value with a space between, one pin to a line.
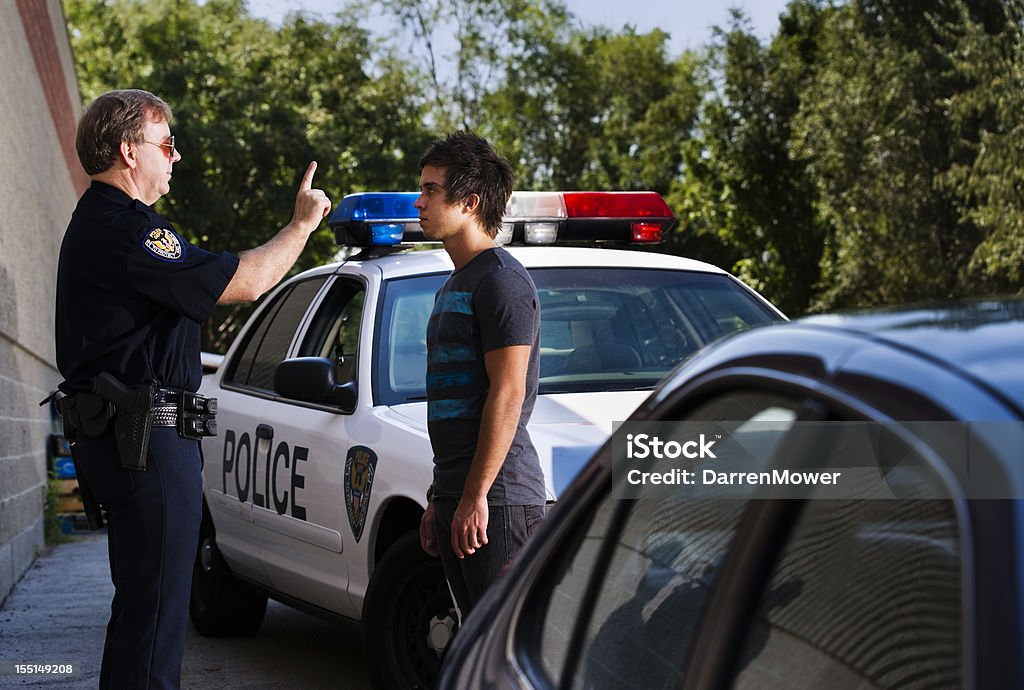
pixel 114 117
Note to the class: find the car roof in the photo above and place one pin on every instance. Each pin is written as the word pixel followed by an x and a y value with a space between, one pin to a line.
pixel 981 342
pixel 405 263
pixel 984 339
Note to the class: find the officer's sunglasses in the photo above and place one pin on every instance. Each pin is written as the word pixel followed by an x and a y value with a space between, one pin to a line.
pixel 169 145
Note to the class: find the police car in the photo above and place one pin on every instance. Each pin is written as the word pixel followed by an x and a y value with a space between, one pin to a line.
pixel 314 485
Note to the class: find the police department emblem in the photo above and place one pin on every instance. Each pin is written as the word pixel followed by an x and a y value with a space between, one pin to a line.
pixel 360 466
pixel 163 244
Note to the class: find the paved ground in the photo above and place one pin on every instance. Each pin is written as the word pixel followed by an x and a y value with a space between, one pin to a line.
pixel 58 612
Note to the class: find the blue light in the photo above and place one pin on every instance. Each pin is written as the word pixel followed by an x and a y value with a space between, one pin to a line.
pixel 370 206
pixel 387 234
pixel 374 219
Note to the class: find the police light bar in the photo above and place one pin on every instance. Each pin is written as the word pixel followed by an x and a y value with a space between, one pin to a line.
pixel 376 219
pixel 621 217
pixel 389 218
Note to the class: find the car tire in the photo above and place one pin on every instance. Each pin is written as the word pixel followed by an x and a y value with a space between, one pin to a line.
pixel 408 617
pixel 220 604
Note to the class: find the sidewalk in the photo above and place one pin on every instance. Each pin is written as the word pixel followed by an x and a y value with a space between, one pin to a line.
pixel 57 614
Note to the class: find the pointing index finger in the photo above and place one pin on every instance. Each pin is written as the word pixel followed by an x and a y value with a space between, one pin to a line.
pixel 307 178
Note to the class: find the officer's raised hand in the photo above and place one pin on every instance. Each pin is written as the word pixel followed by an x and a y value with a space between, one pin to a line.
pixel 311 205
pixel 262 268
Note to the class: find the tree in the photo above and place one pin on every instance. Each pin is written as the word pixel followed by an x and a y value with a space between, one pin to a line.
pixel 878 143
pixel 989 180
pixel 595 110
pixel 747 199
pixel 479 37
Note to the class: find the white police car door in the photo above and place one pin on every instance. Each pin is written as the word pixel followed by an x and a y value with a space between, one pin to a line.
pixel 301 479
pixel 234 460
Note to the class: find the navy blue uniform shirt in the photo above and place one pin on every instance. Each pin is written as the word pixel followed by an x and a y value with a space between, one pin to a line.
pixel 131 294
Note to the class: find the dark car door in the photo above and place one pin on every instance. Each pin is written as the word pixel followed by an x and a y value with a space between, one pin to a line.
pixel 750 592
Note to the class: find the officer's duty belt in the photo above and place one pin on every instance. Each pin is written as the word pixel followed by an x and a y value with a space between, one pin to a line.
pixel 165 414
pixel 190 413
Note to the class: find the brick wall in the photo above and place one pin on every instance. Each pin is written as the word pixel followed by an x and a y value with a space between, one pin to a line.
pixel 40 182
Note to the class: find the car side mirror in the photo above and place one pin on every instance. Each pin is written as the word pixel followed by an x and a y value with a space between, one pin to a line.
pixel 312 379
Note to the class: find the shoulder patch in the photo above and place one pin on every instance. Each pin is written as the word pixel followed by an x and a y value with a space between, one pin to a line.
pixel 360 467
pixel 163 244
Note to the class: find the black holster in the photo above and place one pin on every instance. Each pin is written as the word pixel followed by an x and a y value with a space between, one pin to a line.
pixel 87 415
pixel 134 420
pixel 130 410
pixel 84 414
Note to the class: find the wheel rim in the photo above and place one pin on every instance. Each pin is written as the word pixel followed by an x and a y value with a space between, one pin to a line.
pixel 206 555
pixel 202 576
pixel 425 622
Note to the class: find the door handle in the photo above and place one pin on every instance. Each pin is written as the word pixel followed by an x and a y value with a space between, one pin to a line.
pixel 265 431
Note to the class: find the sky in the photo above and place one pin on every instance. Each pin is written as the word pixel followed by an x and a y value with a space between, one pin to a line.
pixel 688 21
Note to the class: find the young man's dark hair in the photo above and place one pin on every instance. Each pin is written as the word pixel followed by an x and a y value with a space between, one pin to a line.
pixel 472 166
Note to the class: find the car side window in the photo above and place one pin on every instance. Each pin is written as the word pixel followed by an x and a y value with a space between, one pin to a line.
pixel 267 342
pixel 334 332
pixel 649 566
pixel 866 592
pixel 400 365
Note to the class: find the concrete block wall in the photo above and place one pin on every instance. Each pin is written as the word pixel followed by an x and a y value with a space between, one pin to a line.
pixel 40 181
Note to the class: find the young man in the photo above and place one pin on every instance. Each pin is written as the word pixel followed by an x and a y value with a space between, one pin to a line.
pixel 482 366
pixel 131 294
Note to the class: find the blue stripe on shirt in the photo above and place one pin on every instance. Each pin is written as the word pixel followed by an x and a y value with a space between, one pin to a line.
pixel 448 379
pixel 452 354
pixel 450 409
pixel 457 302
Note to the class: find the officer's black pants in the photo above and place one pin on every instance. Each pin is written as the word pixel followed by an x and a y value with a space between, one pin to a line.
pixel 153 528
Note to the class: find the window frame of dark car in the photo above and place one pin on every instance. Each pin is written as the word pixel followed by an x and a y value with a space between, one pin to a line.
pixel 760 540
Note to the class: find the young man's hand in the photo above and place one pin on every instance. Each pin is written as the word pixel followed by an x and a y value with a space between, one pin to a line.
pixel 428 538
pixel 469 526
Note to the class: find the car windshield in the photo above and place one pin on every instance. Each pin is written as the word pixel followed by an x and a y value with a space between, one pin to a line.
pixel 607 329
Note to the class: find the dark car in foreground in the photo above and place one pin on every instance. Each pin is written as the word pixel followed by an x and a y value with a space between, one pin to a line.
pixel 911 579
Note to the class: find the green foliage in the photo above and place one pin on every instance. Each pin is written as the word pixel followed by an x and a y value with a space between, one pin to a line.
pixel 988 179
pixel 876 142
pixel 475 33
pixel 747 198
pixel 869 152
pixel 594 110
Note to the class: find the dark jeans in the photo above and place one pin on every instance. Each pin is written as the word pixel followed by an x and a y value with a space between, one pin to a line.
pixel 153 521
pixel 507 530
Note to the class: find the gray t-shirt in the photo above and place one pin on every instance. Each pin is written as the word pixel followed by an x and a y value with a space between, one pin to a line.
pixel 489 303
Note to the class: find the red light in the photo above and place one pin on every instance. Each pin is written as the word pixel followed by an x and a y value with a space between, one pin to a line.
pixel 646 232
pixel 616 205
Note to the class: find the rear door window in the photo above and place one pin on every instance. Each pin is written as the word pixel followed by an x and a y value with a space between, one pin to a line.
pixel 649 567
pixel 861 593
pixel 867 593
pixel 267 341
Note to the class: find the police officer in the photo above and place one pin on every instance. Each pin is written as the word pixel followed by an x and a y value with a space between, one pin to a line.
pixel 131 294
